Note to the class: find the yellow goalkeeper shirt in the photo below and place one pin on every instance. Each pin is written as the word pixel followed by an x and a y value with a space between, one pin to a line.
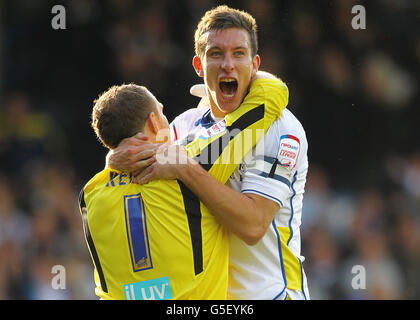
pixel 158 241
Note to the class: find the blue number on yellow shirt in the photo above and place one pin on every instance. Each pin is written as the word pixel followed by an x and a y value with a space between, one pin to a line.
pixel 138 240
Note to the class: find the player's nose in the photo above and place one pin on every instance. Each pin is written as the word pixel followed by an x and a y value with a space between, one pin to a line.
pixel 227 63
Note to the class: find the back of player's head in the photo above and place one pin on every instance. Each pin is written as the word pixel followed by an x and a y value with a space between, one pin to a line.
pixel 121 112
pixel 224 17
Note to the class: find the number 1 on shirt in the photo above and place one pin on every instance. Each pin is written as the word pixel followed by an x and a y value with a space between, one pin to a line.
pixel 138 240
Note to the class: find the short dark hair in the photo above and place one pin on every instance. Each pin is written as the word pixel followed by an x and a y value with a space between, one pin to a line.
pixel 224 17
pixel 121 112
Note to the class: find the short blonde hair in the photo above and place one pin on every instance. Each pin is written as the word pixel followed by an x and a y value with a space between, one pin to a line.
pixel 224 17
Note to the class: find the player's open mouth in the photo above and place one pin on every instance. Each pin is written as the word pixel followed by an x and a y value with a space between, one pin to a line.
pixel 228 87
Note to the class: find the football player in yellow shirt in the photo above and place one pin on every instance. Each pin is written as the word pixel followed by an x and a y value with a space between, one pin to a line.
pixel 157 241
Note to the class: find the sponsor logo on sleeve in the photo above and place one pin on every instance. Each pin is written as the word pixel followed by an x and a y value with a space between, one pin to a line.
pixel 289 151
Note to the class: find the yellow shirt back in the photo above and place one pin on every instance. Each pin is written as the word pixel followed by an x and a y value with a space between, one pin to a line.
pixel 158 241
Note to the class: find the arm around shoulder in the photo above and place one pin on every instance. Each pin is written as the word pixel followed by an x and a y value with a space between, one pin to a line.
pixel 246 215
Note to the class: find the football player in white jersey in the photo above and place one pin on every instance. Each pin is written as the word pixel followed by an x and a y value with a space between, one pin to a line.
pixel 262 203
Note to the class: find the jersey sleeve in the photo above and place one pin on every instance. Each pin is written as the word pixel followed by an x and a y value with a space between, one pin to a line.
pixel 173 132
pixel 271 172
pixel 181 126
pixel 178 126
pixel 223 146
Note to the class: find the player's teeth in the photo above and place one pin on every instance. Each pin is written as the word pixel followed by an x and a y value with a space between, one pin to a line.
pixel 229 95
pixel 228 87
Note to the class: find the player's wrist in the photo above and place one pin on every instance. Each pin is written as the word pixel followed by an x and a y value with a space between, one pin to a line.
pixel 188 170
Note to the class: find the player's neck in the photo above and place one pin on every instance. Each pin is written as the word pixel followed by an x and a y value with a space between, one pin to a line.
pixel 216 113
pixel 217 119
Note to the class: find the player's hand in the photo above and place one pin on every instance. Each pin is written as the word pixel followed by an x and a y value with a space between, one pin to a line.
pixel 169 162
pixel 133 154
pixel 198 90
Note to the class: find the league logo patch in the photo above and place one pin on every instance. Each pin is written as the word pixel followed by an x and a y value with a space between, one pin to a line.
pixel 289 151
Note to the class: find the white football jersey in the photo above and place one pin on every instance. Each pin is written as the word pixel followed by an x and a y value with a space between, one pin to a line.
pixel 275 169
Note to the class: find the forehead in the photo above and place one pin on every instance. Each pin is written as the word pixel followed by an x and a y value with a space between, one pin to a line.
pixel 228 38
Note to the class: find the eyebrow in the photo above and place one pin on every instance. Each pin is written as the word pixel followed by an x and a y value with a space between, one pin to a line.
pixel 236 48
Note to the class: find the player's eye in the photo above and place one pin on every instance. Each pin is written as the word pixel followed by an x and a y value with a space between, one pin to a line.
pixel 215 54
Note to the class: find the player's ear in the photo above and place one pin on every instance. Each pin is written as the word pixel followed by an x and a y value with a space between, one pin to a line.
pixel 198 67
pixel 256 61
pixel 153 123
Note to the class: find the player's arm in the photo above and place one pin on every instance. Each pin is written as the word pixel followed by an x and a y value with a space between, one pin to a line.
pixel 246 215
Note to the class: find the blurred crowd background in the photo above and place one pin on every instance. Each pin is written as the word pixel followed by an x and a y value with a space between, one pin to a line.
pixel 355 92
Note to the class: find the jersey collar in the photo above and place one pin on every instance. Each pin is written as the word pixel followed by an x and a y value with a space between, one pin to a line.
pixel 206 120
